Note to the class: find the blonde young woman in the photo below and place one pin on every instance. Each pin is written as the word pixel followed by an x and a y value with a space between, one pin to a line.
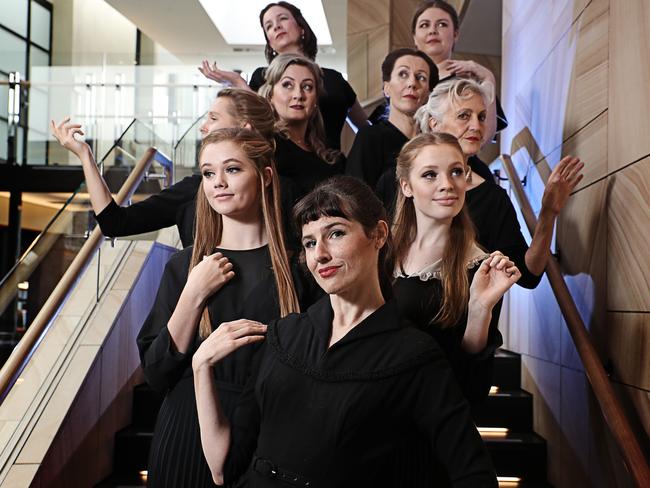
pixel 237 268
pixel 175 205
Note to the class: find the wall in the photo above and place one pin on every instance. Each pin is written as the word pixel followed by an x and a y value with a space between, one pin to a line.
pixel 573 74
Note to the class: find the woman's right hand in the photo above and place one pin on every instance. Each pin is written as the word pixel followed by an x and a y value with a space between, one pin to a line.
pixel 226 339
pixel 211 72
pixel 65 133
pixel 208 276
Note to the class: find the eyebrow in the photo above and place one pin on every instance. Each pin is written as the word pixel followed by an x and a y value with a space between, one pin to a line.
pixel 225 161
pixel 327 227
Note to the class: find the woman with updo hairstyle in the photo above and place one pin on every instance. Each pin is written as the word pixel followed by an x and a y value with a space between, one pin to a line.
pixel 335 387
pixel 459 106
pixel 175 205
pixel 237 268
pixel 287 32
pixel 293 84
pixel 408 76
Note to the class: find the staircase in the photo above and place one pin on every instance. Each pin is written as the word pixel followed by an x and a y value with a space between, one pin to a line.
pixel 505 422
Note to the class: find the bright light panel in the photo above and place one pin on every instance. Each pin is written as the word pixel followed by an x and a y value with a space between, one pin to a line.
pixel 238 22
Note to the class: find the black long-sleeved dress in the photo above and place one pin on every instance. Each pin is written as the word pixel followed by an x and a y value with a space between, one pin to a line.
pixel 419 297
pixel 299 172
pixel 374 151
pixel 176 458
pixel 334 104
pixel 332 416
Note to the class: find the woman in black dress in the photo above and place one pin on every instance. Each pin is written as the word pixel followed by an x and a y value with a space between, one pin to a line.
pixel 287 32
pixel 336 386
pixel 459 107
pixel 176 204
pixel 237 267
pixel 408 76
pixel 293 86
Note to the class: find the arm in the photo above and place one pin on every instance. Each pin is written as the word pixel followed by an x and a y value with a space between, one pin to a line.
pixel 563 179
pixel 357 115
pixel 215 428
pixel 65 132
pixel 494 277
pixel 231 78
pixel 473 69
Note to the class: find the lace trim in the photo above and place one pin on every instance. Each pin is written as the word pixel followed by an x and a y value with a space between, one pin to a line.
pixel 434 271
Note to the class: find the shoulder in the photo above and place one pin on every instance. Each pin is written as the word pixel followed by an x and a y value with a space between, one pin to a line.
pixel 180 260
pixel 488 191
pixel 187 186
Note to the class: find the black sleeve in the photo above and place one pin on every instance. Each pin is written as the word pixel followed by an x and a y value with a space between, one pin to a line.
pixel 443 415
pixel 245 426
pixel 162 365
pixel 156 212
pixel 348 91
pixel 257 79
pixel 506 237
pixel 365 159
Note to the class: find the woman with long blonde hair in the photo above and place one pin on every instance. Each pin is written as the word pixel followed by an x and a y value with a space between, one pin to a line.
pixel 237 269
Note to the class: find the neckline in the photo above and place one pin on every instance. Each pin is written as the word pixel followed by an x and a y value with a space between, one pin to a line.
pixel 434 270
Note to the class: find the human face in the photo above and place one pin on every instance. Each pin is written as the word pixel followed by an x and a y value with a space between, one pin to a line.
pixel 294 95
pixel 339 254
pixel 230 180
pixel 219 116
pixel 408 86
pixel 466 121
pixel 437 183
pixel 282 31
pixel 435 34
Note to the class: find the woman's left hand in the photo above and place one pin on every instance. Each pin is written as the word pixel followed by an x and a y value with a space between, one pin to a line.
pixel 494 277
pixel 226 339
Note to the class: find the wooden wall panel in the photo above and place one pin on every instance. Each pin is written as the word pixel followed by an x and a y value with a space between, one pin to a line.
pixel 628 347
pixel 629 74
pixel 628 266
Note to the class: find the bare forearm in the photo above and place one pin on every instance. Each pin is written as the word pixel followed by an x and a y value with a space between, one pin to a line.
pixel 100 195
pixel 214 426
pixel 540 247
pixel 184 321
pixel 478 324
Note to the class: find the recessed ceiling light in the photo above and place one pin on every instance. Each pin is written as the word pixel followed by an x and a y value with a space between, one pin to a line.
pixel 238 22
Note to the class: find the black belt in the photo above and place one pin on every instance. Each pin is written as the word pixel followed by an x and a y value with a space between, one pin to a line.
pixel 269 470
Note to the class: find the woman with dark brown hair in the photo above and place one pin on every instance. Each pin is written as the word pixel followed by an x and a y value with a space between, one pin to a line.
pixel 238 267
pixel 287 32
pixel 335 387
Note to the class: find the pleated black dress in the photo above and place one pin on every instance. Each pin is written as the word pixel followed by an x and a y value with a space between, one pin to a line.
pixel 331 417
pixel 176 458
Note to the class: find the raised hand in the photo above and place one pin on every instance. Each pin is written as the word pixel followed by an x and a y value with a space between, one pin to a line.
pixel 466 68
pixel 65 133
pixel 208 276
pixel 562 181
pixel 221 76
pixel 493 278
pixel 226 339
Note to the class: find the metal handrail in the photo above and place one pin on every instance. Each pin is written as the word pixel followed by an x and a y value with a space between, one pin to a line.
pixel 610 406
pixel 21 353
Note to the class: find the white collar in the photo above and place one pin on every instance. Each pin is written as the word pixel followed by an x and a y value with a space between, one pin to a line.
pixel 434 270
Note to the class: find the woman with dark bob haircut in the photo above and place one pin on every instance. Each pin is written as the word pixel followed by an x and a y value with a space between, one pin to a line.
pixel 287 32
pixel 335 386
pixel 409 76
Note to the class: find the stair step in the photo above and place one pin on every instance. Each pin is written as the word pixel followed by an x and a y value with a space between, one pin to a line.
pixel 146 404
pixel 122 481
pixel 518 454
pixel 506 408
pixel 507 370
pixel 131 451
pixel 524 484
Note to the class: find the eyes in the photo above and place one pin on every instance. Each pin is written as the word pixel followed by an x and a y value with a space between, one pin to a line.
pixel 231 169
pixel 467 115
pixel 306 86
pixel 441 24
pixel 419 76
pixel 333 234
pixel 455 172
pixel 269 25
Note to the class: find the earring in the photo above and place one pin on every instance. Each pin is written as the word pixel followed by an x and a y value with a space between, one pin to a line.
pixel 274 53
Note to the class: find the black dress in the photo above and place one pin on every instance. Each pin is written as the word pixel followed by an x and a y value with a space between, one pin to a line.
pixel 374 151
pixel 332 416
pixel 303 168
pixel 497 227
pixel 176 457
pixel 334 104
